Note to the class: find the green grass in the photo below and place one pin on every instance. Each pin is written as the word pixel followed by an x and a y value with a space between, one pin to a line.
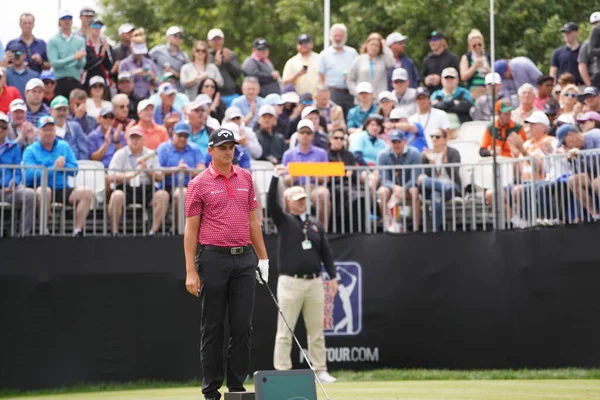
pixel 349 381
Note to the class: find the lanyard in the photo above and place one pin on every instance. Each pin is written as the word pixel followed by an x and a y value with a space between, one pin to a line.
pixel 305 228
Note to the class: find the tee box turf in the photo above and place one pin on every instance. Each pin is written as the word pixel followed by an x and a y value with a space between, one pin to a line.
pixel 239 396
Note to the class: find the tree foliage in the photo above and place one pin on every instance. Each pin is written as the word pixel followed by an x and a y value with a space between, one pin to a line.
pixel 523 27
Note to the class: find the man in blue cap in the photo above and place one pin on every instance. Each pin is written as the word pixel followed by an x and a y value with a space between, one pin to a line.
pixel 47 76
pixel 18 74
pixel 515 73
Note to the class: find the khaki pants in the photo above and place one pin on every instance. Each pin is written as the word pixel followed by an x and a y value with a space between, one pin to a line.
pixel 295 295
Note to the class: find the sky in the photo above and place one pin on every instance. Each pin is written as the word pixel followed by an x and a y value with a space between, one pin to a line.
pixel 45 12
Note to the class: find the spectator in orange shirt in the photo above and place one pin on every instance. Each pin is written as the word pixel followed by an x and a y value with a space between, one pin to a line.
pixel 154 134
pixel 7 93
pixel 505 127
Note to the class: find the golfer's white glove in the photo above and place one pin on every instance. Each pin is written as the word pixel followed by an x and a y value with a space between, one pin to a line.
pixel 262 271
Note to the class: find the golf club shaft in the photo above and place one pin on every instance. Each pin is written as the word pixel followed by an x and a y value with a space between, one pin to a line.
pixel 294 336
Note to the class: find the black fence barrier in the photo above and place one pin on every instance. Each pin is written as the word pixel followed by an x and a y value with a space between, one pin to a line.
pixel 115 309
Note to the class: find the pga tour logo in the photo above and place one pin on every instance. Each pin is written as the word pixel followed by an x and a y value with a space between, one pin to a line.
pixel 343 313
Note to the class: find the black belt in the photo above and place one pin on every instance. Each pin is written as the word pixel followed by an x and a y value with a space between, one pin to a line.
pixel 304 276
pixel 234 251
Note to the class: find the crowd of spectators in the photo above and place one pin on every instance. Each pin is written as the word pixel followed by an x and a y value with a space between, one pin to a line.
pixel 77 97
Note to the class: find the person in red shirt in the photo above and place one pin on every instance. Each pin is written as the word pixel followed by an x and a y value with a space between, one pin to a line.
pixel 222 240
pixel 154 134
pixel 7 93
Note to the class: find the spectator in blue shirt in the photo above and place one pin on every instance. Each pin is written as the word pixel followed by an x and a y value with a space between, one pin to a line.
pixel 11 190
pixel 56 155
pixel 366 145
pixel 415 134
pixel 18 74
pixel 34 95
pixel 166 114
pixel 359 113
pixel 69 131
pixel 106 139
pixel 34 48
pixel 78 111
pixel 401 182
pixel 249 103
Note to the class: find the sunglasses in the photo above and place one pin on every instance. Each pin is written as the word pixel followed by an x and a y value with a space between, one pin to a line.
pixel 209 86
pixel 338 138
pixel 97 26
pixel 571 95
pixel 305 133
pixel 49 82
pixel 18 53
pixel 434 39
pixel 109 116
pixel 306 102
pixel 477 45
pixel 97 86
pixel 235 118
pixel 449 77
pixel 436 136
pixel 178 36
pixel 200 50
pixel 67 18
pixel 395 120
pixel 399 81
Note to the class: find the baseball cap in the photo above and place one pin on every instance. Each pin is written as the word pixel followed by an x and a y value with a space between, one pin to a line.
pixel 233 112
pixel 220 136
pixel 47 75
pixel 589 116
pixel 260 44
pixel 125 28
pixel 295 193
pixel 97 79
pixel 397 136
pixel 557 88
pixel 288 88
pixel 595 17
pixel 87 11
pixel 395 37
pixel 125 76
pixel 399 74
pixel 266 109
pixel 233 127
pixel 538 117
pixel 385 95
pixel 174 30
pixel 364 87
pixel 500 66
pixel 551 108
pixel 107 111
pixel 398 113
pixel 97 22
pixel 569 27
pixel 45 120
pixel 182 127
pixel 450 71
pixel 203 99
pixel 58 102
pixel 215 32
pixel 563 131
pixel 589 91
pixel 18 104
pixel 3 117
pixel 307 110
pixel 167 89
pixel 33 83
pixel 303 38
pixel 290 97
pixel 306 123
pixel 504 105
pixel 139 48
pixel 142 105
pixel 14 47
pixel 134 130
pixel 566 119
pixel 274 99
pixel 166 76
pixel 65 12
pixel 422 91
pixel 436 35
pixel 493 78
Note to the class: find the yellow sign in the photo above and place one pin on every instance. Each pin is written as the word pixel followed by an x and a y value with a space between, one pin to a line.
pixel 316 168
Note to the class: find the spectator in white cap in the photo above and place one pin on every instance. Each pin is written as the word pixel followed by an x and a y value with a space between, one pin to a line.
pixel 125 86
pixel 86 15
pixel 333 113
pixel 272 142
pixel 99 61
pixel 247 137
pixel 154 134
pixel 404 94
pixel 371 66
pixel 386 101
pixel 475 64
pixel 170 57
pixel 199 70
pixel 430 118
pixel 96 102
pixel 320 139
pixel 456 101
pixel 123 49
pixel 590 97
pixel 415 134
pixel 301 69
pixel 358 114
pixel 34 94
pixel 196 116
pixel 66 53
pixel 397 44
pixel 167 114
pixel 7 93
pixel 206 102
pixel 227 62
pixel 588 64
pixel 145 71
pixel 482 110
pixel 20 130
pixel 334 65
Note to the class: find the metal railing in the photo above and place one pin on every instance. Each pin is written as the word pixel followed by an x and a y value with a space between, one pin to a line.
pixel 553 189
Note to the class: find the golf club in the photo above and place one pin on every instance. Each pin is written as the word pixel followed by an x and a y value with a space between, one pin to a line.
pixel 292 332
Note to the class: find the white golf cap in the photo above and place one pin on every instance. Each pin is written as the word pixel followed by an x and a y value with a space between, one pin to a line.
pixel 398 113
pixel 395 37
pixel 493 78
pixel 595 17
pixel 306 123
pixel 142 105
pixel 167 89
pixel 295 193
pixel 364 87
pixel 203 99
pixel 33 83
pixel 126 28
pixel 307 110
pixel 174 30
pixel 538 117
pixel 233 127
pixel 213 33
pixel 97 79
pixel 290 97
pixel 3 117
pixel 266 109
pixel 192 105
pixel 399 74
pixel 385 95
pixel 450 71
pixel 17 104
pixel 65 12
pixel 233 112
pixel 566 118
